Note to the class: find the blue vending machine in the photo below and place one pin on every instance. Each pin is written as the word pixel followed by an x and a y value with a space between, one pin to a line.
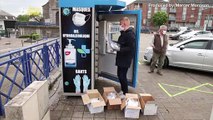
pixel 85 29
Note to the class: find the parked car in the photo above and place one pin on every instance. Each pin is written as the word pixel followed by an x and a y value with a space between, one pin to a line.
pixel 195 53
pixel 173 29
pixel 176 36
pixel 209 29
pixel 145 30
pixel 195 33
pixel 183 28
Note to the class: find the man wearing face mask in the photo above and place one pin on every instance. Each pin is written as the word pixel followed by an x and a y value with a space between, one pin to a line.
pixel 159 45
pixel 125 52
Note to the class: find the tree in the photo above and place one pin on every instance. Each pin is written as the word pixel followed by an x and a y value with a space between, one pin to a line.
pixel 160 18
pixel 23 18
pixel 34 13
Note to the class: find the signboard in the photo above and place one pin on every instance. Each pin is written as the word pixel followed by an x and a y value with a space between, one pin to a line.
pixel 76 36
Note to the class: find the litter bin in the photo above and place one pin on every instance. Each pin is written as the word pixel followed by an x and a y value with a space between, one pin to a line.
pixel 86 55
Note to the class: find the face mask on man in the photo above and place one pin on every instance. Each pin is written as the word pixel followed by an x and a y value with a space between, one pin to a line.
pixel 164 32
pixel 121 28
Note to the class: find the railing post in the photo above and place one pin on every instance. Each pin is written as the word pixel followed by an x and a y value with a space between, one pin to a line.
pixel 46 66
pixel 1 107
pixel 26 68
pixel 57 53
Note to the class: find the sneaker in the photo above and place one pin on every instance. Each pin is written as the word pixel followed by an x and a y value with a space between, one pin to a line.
pixel 159 73
pixel 121 95
pixel 150 71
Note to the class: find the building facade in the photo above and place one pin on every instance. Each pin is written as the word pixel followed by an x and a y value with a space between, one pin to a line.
pixel 7 23
pixel 191 13
pixel 51 12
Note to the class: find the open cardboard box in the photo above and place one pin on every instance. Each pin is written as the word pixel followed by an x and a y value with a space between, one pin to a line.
pixel 111 103
pixel 148 104
pixel 131 111
pixel 94 107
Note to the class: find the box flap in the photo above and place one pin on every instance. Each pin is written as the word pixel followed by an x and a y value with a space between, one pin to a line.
pixel 123 104
pixel 92 91
pixel 147 98
pixel 98 104
pixel 135 108
pixel 105 97
pixel 116 101
pixel 130 95
pixel 109 89
pixel 142 102
pixel 86 99
pixel 144 94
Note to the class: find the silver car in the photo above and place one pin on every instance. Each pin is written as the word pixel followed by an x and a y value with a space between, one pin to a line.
pixel 195 53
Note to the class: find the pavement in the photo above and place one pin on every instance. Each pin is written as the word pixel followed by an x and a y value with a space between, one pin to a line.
pixel 181 94
pixel 184 100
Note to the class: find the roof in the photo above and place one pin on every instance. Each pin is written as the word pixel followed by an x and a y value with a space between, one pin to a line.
pixel 99 4
pixel 6 16
pixel 176 1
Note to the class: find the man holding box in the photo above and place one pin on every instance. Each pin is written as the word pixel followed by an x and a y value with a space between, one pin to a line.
pixel 125 52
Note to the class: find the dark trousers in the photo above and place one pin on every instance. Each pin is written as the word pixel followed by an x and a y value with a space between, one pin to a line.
pixel 122 72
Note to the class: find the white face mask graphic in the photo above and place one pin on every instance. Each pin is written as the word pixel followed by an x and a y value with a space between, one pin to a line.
pixel 79 19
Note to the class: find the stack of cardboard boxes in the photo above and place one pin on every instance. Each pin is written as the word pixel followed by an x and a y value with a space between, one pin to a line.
pixel 132 104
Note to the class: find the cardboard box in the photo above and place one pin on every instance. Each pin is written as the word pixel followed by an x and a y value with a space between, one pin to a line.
pixel 94 107
pixel 148 104
pixel 111 103
pixel 131 111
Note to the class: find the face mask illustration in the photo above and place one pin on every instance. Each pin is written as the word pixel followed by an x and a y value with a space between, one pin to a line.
pixel 79 19
pixel 86 82
pixel 77 82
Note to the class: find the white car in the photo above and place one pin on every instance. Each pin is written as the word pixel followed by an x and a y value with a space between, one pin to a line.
pixel 183 28
pixel 195 53
pixel 194 34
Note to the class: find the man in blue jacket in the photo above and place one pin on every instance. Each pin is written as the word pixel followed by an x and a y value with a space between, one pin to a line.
pixel 125 52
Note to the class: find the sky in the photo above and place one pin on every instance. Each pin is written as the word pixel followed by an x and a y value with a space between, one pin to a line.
pixel 17 7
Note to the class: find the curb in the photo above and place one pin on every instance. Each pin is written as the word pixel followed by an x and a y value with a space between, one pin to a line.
pixel 53 78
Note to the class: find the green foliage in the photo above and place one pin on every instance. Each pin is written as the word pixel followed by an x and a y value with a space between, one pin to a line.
pixel 23 18
pixel 34 36
pixel 160 18
pixel 24 36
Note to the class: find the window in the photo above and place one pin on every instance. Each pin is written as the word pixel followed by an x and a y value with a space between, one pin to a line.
pixel 156 9
pixel 184 13
pixel 197 44
pixel 149 12
pixel 164 8
pixel 192 16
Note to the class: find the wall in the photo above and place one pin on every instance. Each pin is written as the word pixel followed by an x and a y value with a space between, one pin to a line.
pixel 44 31
pixel 2 23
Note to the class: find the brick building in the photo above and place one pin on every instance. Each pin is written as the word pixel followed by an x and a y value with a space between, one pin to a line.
pixel 192 13
pixel 51 12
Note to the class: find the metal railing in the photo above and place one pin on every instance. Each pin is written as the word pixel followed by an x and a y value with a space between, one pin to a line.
pixel 19 68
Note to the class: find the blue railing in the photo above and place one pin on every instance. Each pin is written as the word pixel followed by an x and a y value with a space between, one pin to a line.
pixel 21 67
